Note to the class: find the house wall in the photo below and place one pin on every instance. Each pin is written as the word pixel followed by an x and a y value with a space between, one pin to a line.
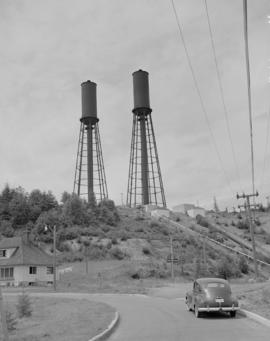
pixel 182 208
pixel 21 274
pixel 196 211
pixel 159 213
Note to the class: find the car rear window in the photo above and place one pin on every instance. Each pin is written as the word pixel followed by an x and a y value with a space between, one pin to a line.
pixel 215 285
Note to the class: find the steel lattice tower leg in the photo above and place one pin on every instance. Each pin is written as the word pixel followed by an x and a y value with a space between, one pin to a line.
pixel 90 180
pixel 145 184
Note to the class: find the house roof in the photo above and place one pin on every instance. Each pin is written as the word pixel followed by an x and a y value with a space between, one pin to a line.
pixel 25 253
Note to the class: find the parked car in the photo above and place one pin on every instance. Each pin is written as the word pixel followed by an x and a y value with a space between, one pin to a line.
pixel 211 295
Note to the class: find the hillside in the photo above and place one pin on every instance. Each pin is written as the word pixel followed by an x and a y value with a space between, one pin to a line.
pixel 144 244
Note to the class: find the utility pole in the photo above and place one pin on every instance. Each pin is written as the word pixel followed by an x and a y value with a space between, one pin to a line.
pixel 53 230
pixel 204 255
pixel 251 226
pixel 3 318
pixel 172 257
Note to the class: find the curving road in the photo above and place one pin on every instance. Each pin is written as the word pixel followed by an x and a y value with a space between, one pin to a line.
pixel 162 316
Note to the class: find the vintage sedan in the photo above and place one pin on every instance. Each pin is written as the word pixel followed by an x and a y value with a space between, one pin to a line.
pixel 211 295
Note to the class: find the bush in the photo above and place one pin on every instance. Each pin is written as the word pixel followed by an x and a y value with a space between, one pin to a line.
pixel 243 225
pixel 227 268
pixel 117 253
pixel 243 265
pixel 11 321
pixel 114 241
pixel 24 306
pixel 146 250
pixel 202 221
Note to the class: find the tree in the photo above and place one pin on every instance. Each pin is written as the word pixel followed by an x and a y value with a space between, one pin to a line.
pixel 19 208
pixel 24 306
pixel 107 212
pixel 75 210
pixel 40 202
pixel 6 228
pixel 216 209
pixel 5 198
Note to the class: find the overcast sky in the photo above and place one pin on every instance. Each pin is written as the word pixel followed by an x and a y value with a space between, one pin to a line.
pixel 49 47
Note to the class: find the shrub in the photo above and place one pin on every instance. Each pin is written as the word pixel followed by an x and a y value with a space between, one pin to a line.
pixel 24 306
pixel 146 250
pixel 257 222
pixel 233 223
pixel 97 252
pixel 243 225
pixel 11 321
pixel 117 253
pixel 202 221
pixel 227 267
pixel 267 239
pixel 114 241
pixel 243 265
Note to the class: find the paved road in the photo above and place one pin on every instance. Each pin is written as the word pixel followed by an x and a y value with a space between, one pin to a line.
pixel 163 317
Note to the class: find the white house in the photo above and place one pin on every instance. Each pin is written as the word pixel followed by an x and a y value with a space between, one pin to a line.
pixel 183 208
pixel 160 212
pixel 193 212
pixel 23 263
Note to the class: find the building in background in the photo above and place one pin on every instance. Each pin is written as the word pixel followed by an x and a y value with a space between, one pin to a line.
pixel 23 263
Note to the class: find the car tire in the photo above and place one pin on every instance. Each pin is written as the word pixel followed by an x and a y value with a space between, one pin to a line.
pixel 232 313
pixel 197 313
pixel 187 306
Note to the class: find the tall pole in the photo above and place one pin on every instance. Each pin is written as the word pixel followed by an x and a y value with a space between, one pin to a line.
pixel 252 238
pixel 251 227
pixel 172 257
pixel 3 318
pixel 249 92
pixel 54 257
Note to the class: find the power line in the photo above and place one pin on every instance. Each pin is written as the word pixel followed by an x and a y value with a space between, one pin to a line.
pixel 199 94
pixel 222 93
pixel 249 92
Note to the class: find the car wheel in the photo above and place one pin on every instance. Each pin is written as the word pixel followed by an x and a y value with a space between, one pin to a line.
pixel 187 306
pixel 232 313
pixel 197 313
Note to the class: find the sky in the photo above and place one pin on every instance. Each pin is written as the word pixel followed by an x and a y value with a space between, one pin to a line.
pixel 48 48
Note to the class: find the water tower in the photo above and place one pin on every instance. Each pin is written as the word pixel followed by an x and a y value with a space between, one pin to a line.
pixel 90 180
pixel 144 181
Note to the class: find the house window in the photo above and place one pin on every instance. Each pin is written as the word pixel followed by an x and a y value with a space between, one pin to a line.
pixel 3 253
pixel 6 273
pixel 32 270
pixel 49 270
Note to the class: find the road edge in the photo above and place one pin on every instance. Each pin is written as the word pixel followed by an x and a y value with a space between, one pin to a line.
pixel 256 317
pixel 108 331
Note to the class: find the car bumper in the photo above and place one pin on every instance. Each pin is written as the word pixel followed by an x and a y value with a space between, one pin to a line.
pixel 213 309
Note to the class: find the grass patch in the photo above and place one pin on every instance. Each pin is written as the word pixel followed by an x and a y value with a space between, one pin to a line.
pixel 61 319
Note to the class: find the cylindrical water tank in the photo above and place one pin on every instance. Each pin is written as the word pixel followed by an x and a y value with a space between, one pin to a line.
pixel 141 89
pixel 89 99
